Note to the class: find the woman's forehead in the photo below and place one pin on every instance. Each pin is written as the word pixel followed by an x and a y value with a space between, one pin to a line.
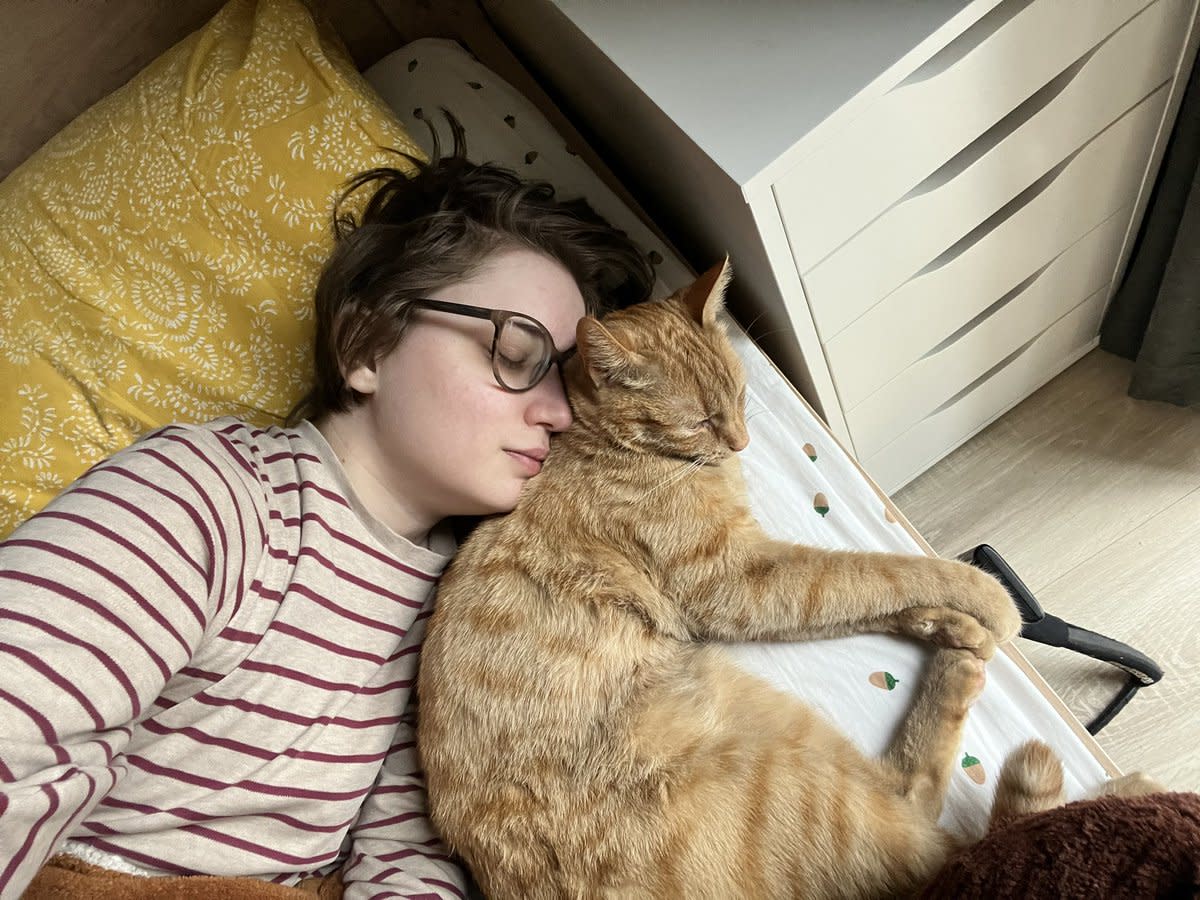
pixel 528 282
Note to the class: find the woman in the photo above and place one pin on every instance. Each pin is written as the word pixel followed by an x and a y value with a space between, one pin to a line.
pixel 208 643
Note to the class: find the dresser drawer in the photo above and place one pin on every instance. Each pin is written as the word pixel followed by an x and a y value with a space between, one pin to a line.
pixel 983 181
pixel 940 108
pixel 1013 379
pixel 1017 317
pixel 976 271
pixel 925 316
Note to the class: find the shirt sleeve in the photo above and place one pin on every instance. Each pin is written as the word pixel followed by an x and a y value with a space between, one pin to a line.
pixel 103 596
pixel 395 851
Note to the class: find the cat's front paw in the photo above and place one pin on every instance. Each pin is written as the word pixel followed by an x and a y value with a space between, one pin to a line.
pixel 986 599
pixel 947 628
pixel 964 682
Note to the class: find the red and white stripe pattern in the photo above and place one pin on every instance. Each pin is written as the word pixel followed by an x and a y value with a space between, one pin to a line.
pixel 207 652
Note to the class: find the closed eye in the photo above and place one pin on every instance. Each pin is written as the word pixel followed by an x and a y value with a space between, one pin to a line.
pixel 513 359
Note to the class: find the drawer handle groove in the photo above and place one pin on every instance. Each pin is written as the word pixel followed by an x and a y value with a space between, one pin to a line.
pixel 978 148
pixel 1013 206
pixel 971 154
pixel 987 313
pixel 996 219
pixel 1008 360
pixel 1028 108
pixel 975 150
pixel 961 46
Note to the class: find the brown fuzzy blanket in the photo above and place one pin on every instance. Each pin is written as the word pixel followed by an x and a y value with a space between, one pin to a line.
pixel 68 878
pixel 1118 848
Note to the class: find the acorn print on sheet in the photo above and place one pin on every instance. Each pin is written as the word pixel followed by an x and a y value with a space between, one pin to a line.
pixel 821 504
pixel 811 452
pixel 884 680
pixel 974 768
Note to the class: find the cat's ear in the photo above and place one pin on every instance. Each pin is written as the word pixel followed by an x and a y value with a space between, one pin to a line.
pixel 604 357
pixel 706 297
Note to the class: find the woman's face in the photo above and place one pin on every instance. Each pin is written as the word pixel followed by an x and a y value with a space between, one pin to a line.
pixel 443 437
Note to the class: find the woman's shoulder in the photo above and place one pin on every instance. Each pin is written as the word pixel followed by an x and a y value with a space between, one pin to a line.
pixel 227 456
pixel 231 440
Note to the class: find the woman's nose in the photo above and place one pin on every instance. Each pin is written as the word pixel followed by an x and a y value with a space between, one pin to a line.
pixel 548 404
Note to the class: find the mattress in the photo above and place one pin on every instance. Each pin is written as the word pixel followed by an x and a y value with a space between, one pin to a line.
pixel 803 486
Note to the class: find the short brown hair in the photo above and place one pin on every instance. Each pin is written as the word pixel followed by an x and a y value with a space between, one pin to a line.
pixel 438 227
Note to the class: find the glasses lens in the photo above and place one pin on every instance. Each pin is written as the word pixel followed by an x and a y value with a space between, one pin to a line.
pixel 522 354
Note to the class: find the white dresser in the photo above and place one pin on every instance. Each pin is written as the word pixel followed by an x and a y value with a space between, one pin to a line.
pixel 927 203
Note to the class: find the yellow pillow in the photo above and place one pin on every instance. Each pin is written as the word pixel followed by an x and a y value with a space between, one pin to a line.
pixel 158 256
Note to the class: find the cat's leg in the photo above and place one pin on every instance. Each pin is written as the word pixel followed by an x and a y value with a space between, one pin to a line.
pixel 924 750
pixel 756 588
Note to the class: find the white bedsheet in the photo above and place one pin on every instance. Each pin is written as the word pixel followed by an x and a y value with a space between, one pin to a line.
pixel 803 486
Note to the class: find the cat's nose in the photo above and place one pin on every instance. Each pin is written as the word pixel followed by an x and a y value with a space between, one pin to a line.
pixel 738 438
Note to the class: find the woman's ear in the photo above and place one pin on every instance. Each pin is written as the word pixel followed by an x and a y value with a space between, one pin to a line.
pixel 604 357
pixel 363 379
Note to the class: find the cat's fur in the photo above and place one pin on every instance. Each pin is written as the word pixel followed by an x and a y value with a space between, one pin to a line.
pixel 581 733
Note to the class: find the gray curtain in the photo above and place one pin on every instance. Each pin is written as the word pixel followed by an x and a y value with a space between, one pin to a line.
pixel 1154 319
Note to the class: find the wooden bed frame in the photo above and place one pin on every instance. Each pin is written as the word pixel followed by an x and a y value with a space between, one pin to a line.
pixel 58 58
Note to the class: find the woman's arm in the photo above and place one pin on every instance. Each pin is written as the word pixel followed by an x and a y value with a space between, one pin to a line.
pixel 104 595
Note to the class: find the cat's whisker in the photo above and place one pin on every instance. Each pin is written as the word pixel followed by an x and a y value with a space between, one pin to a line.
pixel 758 337
pixel 685 472
pixel 749 325
pixel 678 475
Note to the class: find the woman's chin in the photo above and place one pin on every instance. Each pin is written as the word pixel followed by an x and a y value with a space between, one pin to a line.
pixel 500 503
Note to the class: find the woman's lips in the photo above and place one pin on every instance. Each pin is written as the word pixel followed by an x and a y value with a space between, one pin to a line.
pixel 531 465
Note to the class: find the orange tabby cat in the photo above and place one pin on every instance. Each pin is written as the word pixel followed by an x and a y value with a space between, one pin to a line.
pixel 582 734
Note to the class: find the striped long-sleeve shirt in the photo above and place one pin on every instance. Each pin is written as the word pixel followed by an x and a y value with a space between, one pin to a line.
pixel 207 651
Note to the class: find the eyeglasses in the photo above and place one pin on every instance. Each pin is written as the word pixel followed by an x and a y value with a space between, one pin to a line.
pixel 522 349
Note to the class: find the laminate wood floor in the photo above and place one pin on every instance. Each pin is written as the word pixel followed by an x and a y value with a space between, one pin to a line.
pixel 1094 498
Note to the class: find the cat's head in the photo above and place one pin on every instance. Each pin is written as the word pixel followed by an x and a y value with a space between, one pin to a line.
pixel 662 378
